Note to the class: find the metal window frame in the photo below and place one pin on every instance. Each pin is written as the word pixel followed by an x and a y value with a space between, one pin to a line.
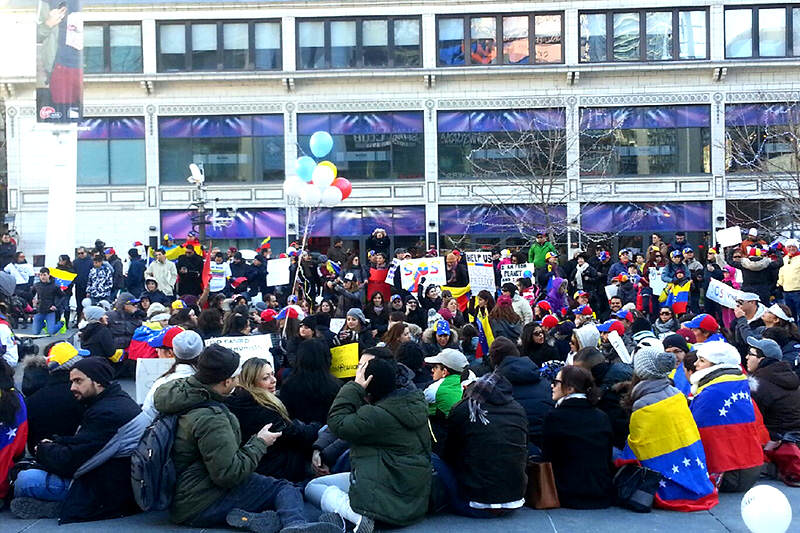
pixel 108 155
pixel 642 12
pixel 756 33
pixel 106 26
pixel 467 38
pixel 359 46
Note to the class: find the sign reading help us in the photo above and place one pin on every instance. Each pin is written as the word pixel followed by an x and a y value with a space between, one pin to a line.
pixel 481 271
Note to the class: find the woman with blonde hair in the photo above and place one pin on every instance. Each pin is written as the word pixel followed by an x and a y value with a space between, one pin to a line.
pixel 255 404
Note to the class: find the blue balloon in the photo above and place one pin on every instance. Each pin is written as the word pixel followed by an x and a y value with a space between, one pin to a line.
pixel 305 167
pixel 321 143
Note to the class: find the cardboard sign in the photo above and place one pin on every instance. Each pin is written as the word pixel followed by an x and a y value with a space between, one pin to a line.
pixel 278 271
pixel 729 236
pixel 344 360
pixel 611 291
pixel 247 347
pixel 336 325
pixel 619 346
pixel 147 372
pixel 724 295
pixel 511 273
pixel 656 283
pixel 413 270
pixel 481 271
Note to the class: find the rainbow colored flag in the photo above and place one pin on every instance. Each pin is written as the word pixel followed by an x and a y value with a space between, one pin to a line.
pixel 62 278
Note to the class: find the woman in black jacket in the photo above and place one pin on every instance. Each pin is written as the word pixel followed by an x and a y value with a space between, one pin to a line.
pixel 377 312
pixel 310 389
pixel 534 344
pixel 255 405
pixel 577 441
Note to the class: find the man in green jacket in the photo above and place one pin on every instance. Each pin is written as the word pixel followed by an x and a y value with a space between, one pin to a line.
pixel 390 452
pixel 538 251
pixel 216 472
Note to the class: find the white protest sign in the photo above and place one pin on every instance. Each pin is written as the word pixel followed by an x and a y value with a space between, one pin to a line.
pixel 247 347
pixel 278 271
pixel 413 270
pixel 336 325
pixel 729 236
pixel 619 346
pixel 656 283
pixel 511 273
pixel 481 271
pixel 724 295
pixel 147 372
pixel 611 291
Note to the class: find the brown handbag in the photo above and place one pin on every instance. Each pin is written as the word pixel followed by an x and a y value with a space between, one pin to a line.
pixel 541 492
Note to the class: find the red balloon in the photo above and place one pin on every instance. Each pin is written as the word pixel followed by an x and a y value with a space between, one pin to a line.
pixel 344 185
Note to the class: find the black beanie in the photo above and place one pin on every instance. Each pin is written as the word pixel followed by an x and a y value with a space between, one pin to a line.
pixel 675 341
pixel 384 378
pixel 640 324
pixel 216 363
pixel 97 369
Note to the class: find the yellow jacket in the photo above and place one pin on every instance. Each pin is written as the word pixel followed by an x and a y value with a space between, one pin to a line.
pixel 789 274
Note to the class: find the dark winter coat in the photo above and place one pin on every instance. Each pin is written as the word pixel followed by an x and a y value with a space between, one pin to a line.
pixel 540 353
pixel 530 390
pixel 82 267
pixel 47 294
pixel 257 279
pixel 606 375
pixel 503 328
pixel 776 390
pixel 7 252
pixel 758 275
pixel 97 338
pixel 156 296
pixel 429 345
pixel 134 281
pixel 306 401
pixel 106 491
pixel 122 326
pixel 290 456
pixel 500 476
pixel 378 244
pixel 52 409
pixel 119 275
pixel 577 441
pixel 190 282
pixel 390 449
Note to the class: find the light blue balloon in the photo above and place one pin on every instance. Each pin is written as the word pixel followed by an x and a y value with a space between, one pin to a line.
pixel 321 143
pixel 305 167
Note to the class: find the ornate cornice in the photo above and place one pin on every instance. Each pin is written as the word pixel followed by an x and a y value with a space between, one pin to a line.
pixel 112 110
pixel 502 103
pixel 647 99
pixel 763 96
pixel 221 108
pixel 376 105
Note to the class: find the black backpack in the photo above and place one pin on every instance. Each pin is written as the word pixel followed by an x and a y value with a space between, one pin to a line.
pixel 153 472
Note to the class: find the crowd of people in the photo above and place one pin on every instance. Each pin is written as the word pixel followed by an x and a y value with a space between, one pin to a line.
pixel 580 364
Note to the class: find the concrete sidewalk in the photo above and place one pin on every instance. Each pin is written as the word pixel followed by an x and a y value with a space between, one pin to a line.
pixel 723 518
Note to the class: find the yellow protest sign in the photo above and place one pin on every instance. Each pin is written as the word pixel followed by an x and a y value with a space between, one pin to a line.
pixel 344 360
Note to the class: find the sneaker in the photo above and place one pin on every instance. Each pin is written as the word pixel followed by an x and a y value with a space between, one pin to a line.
pixel 31 508
pixel 265 522
pixel 313 527
pixel 365 525
pixel 333 518
pixel 63 328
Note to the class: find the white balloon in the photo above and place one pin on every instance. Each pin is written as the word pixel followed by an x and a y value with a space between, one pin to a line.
pixel 331 196
pixel 323 176
pixel 311 195
pixel 765 509
pixel 293 187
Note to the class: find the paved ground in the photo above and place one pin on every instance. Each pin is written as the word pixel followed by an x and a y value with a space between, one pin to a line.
pixel 725 517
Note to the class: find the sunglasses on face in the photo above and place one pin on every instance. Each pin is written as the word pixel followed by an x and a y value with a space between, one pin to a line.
pixel 665 313
pixel 556 382
pixel 537 333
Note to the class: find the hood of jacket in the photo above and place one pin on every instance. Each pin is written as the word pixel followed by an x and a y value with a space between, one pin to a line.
pixel 407 406
pixel 756 264
pixel 588 335
pixel 429 337
pixel 778 373
pixel 519 370
pixel 182 394
pixel 405 378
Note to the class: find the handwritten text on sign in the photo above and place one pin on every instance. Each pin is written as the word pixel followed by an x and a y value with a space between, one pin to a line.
pixel 481 271
pixel 344 360
pixel 430 268
pixel 247 347
pixel 511 273
pixel 722 294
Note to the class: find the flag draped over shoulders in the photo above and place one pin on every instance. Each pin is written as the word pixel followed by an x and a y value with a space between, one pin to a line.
pixel 664 437
pixel 12 442
pixel 485 335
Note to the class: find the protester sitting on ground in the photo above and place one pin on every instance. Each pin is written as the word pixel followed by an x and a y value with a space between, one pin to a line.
pixel 356 329
pixel 447 368
pixel 185 347
pixel 309 390
pixel 152 292
pixel 677 346
pixel 216 474
pixel 96 337
pixel 774 386
pixel 664 437
pixel 705 328
pixel 52 408
pixel 387 429
pixel 666 322
pixel 255 404
pixel 488 418
pixel 577 440
pixel 13 426
pixel 529 388
pixel 104 492
pixel 396 335
pixel 439 337
pixel 586 336
pixel 606 376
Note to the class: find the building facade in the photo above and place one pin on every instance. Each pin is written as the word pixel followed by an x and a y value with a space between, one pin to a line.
pixel 456 122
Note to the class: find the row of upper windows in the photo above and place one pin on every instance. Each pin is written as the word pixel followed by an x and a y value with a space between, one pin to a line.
pixel 765 31
pixel 620 141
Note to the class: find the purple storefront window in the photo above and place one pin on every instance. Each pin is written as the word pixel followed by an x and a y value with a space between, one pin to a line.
pixel 361 123
pixel 126 128
pixel 220 126
pixel 604 218
pixel 606 118
pixel 497 121
pixel 761 114
pixel 457 220
pixel 358 222
pixel 92 129
pixel 247 224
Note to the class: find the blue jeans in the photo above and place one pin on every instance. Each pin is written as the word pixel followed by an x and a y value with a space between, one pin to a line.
pixel 458 505
pixel 792 299
pixel 257 494
pixel 39 320
pixel 41 485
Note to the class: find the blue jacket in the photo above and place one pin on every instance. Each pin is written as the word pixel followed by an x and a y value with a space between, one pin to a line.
pixel 134 281
pixel 82 267
pixel 617 269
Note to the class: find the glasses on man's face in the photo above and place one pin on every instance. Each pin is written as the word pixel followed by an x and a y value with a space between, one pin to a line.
pixel 753 353
pixel 665 313
pixel 538 333
pixel 556 382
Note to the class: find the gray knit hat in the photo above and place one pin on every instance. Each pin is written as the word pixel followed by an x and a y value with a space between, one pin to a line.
pixel 93 313
pixel 652 363
pixel 187 345
pixel 359 314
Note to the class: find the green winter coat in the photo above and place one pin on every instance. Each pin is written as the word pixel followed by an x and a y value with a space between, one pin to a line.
pixel 390 453
pixel 538 252
pixel 207 455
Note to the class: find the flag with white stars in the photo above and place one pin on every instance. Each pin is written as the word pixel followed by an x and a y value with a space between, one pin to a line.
pixel 726 417
pixel 12 443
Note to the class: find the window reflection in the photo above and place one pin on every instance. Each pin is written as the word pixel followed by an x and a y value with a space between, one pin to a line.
pixel 626 37
pixel 593 37
pixel 483 48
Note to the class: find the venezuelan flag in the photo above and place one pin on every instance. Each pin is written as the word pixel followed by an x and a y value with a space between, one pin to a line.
pixel 677 297
pixel 485 334
pixel 333 267
pixel 62 278
pixel 461 294
pixel 139 348
pixel 664 437
pixel 726 418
